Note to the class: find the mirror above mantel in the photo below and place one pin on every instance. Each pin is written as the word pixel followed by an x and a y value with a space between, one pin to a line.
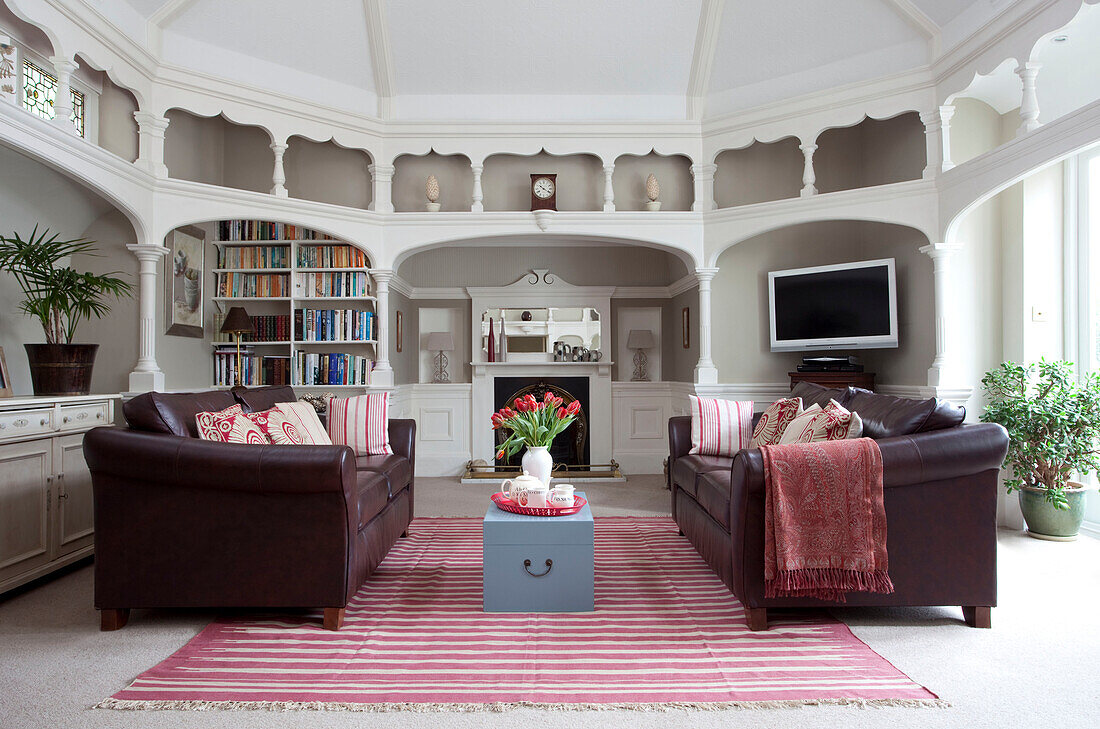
pixel 548 334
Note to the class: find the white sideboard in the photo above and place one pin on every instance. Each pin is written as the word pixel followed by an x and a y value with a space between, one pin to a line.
pixel 46 514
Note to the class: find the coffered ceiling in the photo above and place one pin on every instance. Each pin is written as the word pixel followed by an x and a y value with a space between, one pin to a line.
pixel 547 59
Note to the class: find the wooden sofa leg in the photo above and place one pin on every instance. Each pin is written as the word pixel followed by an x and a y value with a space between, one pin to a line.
pixel 757 618
pixel 113 618
pixel 334 618
pixel 978 616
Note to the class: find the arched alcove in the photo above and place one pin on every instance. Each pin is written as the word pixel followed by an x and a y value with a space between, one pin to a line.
pixel 873 152
pixel 977 128
pixel 673 173
pixel 215 151
pixel 741 344
pixel 761 172
pixel 326 172
pixel 452 171
pixel 506 180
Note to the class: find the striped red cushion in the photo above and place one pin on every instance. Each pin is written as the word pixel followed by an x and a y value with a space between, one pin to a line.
pixel 362 423
pixel 720 427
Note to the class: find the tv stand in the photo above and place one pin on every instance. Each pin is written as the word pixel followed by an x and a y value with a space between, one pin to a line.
pixel 864 380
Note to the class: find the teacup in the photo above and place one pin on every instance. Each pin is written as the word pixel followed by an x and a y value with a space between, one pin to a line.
pixel 526 490
pixel 561 496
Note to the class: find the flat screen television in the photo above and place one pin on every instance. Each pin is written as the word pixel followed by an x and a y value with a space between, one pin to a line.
pixel 846 306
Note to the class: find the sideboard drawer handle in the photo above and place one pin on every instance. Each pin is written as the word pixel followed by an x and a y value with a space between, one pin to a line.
pixel 66 419
pixel 44 421
pixel 527 567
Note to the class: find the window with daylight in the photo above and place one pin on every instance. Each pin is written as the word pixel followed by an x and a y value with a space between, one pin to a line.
pixel 40 91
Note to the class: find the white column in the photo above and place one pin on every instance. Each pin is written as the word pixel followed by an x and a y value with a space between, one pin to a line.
pixel 146 375
pixel 608 189
pixel 478 196
pixel 941 257
pixel 705 371
pixel 809 177
pixel 1029 102
pixel 704 187
pixel 151 130
pixel 933 150
pixel 382 176
pixel 62 104
pixel 278 176
pixel 382 376
pixel 946 112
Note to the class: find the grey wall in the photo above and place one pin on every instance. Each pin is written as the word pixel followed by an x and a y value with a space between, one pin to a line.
pixel 506 181
pixel 456 182
pixel 758 173
pixel 325 172
pixel 118 129
pixel 406 363
pixel 673 175
pixel 872 152
pixel 678 364
pixel 216 151
pixel 456 265
pixel 740 298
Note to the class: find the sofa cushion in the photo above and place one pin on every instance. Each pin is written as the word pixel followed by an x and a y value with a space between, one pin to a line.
pixel 304 418
pixel 885 416
pixel 257 399
pixel 174 413
pixel 686 469
pixel 373 495
pixel 276 427
pixel 361 422
pixel 834 423
pixel 944 415
pixel 720 427
pixel 230 427
pixel 395 469
pixel 814 394
pixel 713 494
pixel 769 427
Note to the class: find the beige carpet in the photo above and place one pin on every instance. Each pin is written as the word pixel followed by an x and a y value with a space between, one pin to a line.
pixel 1037 667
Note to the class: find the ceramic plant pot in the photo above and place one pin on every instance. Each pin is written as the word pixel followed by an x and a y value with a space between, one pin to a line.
pixel 1046 522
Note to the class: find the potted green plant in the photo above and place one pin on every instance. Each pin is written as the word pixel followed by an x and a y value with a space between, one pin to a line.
pixel 1053 424
pixel 60 297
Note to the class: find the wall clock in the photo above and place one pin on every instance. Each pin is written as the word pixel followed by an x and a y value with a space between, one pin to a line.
pixel 544 192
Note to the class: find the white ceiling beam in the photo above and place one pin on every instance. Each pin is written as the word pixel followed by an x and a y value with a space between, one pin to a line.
pixel 702 59
pixel 378 37
pixel 159 20
pixel 919 21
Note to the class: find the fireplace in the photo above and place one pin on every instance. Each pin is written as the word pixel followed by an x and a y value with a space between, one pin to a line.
pixel 571 446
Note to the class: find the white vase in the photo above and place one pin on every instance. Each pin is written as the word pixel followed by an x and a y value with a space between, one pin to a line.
pixel 538 463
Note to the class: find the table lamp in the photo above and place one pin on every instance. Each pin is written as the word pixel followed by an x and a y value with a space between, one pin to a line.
pixel 440 342
pixel 640 340
pixel 237 322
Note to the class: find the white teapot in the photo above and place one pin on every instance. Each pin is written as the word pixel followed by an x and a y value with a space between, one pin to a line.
pixel 526 490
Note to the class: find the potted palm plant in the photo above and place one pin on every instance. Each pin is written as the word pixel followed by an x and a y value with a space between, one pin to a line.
pixel 1053 424
pixel 60 297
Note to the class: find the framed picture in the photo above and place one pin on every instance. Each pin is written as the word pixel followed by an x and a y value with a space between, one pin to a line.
pixel 183 275
pixel 685 316
pixel 400 328
pixel 5 381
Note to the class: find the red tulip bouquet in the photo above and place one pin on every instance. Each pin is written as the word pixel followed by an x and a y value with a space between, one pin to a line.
pixel 534 424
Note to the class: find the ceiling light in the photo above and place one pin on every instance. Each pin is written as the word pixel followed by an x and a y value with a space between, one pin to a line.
pixel 1060 38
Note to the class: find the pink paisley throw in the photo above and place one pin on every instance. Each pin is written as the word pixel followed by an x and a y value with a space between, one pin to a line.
pixel 824 520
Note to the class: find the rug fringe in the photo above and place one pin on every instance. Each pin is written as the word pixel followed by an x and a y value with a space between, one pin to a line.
pixel 130 705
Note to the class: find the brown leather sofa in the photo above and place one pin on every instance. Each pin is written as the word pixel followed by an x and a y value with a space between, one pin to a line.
pixel 183 522
pixel 940 491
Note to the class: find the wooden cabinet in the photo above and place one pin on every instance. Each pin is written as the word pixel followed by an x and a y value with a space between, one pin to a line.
pixel 864 380
pixel 46 511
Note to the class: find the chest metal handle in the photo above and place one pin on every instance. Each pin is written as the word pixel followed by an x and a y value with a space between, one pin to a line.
pixel 527 568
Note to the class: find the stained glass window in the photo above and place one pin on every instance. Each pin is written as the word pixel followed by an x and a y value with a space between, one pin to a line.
pixel 39 91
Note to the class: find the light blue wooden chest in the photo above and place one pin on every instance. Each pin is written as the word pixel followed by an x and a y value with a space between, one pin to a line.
pixel 536 564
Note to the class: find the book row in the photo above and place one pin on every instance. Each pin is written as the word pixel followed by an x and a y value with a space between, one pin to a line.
pixel 355 283
pixel 253 284
pixel 232 230
pixel 342 256
pixel 254 257
pixel 330 325
pixel 333 368
pixel 255 369
pixel 269 328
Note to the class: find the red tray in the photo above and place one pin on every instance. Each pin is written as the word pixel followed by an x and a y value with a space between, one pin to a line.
pixel 505 504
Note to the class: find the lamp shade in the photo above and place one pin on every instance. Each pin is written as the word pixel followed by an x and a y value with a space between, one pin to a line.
pixel 237 321
pixel 440 342
pixel 640 339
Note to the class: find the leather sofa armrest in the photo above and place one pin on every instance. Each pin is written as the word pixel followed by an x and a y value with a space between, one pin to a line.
pixel 192 463
pixel 402 434
pixel 679 443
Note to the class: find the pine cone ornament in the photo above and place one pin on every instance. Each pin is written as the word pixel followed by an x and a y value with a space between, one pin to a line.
pixel 652 189
pixel 431 189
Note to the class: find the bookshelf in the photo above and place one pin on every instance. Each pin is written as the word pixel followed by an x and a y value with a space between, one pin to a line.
pixel 309 296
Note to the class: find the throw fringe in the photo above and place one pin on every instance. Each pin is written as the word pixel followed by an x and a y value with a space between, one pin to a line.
pixel 127 705
pixel 828 583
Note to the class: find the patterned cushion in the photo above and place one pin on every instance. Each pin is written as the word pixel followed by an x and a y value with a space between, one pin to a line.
pixel 799 425
pixel 834 422
pixel 276 427
pixel 775 420
pixel 362 423
pixel 720 427
pixel 230 426
pixel 303 418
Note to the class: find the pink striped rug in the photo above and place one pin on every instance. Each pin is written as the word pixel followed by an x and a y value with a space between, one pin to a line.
pixel 666 633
